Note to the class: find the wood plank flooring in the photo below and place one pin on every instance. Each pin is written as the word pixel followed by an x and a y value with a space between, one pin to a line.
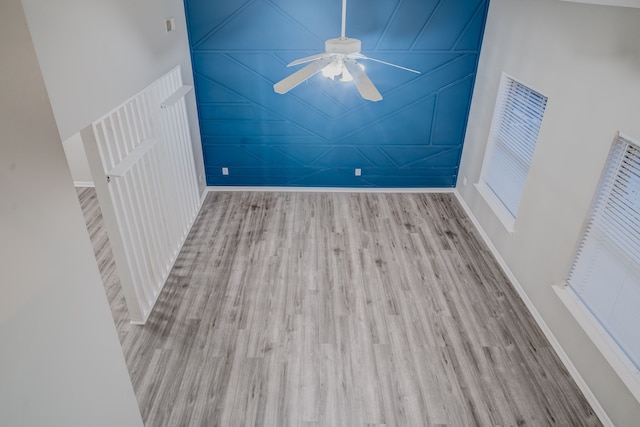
pixel 336 309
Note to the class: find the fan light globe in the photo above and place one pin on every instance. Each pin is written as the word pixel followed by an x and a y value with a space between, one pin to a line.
pixel 346 76
pixel 333 70
pixel 337 68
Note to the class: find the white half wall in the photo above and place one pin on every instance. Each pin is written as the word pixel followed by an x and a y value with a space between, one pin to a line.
pixel 95 54
pixel 61 363
pixel 586 59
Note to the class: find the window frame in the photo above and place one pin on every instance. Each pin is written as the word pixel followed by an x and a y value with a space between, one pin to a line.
pixel 494 201
pixel 604 341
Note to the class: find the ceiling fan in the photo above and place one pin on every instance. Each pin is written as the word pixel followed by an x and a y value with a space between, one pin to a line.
pixel 339 59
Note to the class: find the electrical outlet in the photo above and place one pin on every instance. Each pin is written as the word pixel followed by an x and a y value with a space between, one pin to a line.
pixel 201 179
pixel 170 24
pixel 464 180
pixel 225 171
pixel 358 172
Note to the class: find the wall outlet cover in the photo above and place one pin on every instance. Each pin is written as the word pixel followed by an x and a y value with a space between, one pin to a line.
pixel 170 24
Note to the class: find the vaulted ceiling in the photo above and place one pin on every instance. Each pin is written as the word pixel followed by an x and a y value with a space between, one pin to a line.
pixel 318 133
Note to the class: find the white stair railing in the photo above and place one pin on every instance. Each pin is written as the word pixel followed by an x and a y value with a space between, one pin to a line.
pixel 141 159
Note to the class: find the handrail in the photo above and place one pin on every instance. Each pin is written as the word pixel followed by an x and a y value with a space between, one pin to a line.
pixel 176 96
pixel 136 154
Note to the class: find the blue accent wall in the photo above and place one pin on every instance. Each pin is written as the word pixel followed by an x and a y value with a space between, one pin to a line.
pixel 319 132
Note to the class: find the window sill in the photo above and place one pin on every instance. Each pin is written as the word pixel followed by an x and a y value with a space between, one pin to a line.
pixel 627 372
pixel 496 206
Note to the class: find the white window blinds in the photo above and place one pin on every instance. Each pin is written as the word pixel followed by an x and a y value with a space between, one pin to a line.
pixel 514 132
pixel 606 272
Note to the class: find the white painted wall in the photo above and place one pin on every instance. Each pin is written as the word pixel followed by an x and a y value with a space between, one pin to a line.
pixel 61 363
pixel 586 59
pixel 77 160
pixel 95 54
pixel 622 3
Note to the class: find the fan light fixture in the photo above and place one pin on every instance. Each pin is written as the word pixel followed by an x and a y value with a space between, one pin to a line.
pixel 334 69
pixel 339 59
pixel 338 68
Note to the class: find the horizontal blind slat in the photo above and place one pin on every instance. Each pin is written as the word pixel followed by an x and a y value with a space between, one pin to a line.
pixel 606 270
pixel 517 120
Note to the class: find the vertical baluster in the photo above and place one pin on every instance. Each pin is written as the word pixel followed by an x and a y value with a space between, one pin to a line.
pixel 113 139
pixel 159 201
pixel 180 139
pixel 187 149
pixel 128 233
pixel 102 137
pixel 135 238
pixel 173 209
pixel 180 183
pixel 141 243
pixel 147 214
pixel 148 245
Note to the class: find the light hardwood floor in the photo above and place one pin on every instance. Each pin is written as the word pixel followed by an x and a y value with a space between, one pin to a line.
pixel 335 309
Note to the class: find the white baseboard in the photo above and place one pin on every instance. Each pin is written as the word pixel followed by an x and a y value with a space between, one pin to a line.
pixel 564 358
pixel 84 184
pixel 330 189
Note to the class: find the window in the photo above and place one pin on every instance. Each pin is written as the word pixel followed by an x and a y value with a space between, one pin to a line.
pixel 605 274
pixel 514 131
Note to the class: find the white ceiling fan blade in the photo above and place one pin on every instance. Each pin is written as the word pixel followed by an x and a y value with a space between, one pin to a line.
pixel 288 83
pixel 363 83
pixel 360 56
pixel 306 59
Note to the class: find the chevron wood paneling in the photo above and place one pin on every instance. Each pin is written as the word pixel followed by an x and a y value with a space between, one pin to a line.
pixel 320 131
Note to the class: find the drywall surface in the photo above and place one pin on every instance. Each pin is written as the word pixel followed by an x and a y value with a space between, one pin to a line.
pixel 622 3
pixel 61 363
pixel 586 59
pixel 77 159
pixel 96 54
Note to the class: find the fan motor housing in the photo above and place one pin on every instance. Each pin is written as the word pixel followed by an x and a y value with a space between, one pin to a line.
pixel 344 46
